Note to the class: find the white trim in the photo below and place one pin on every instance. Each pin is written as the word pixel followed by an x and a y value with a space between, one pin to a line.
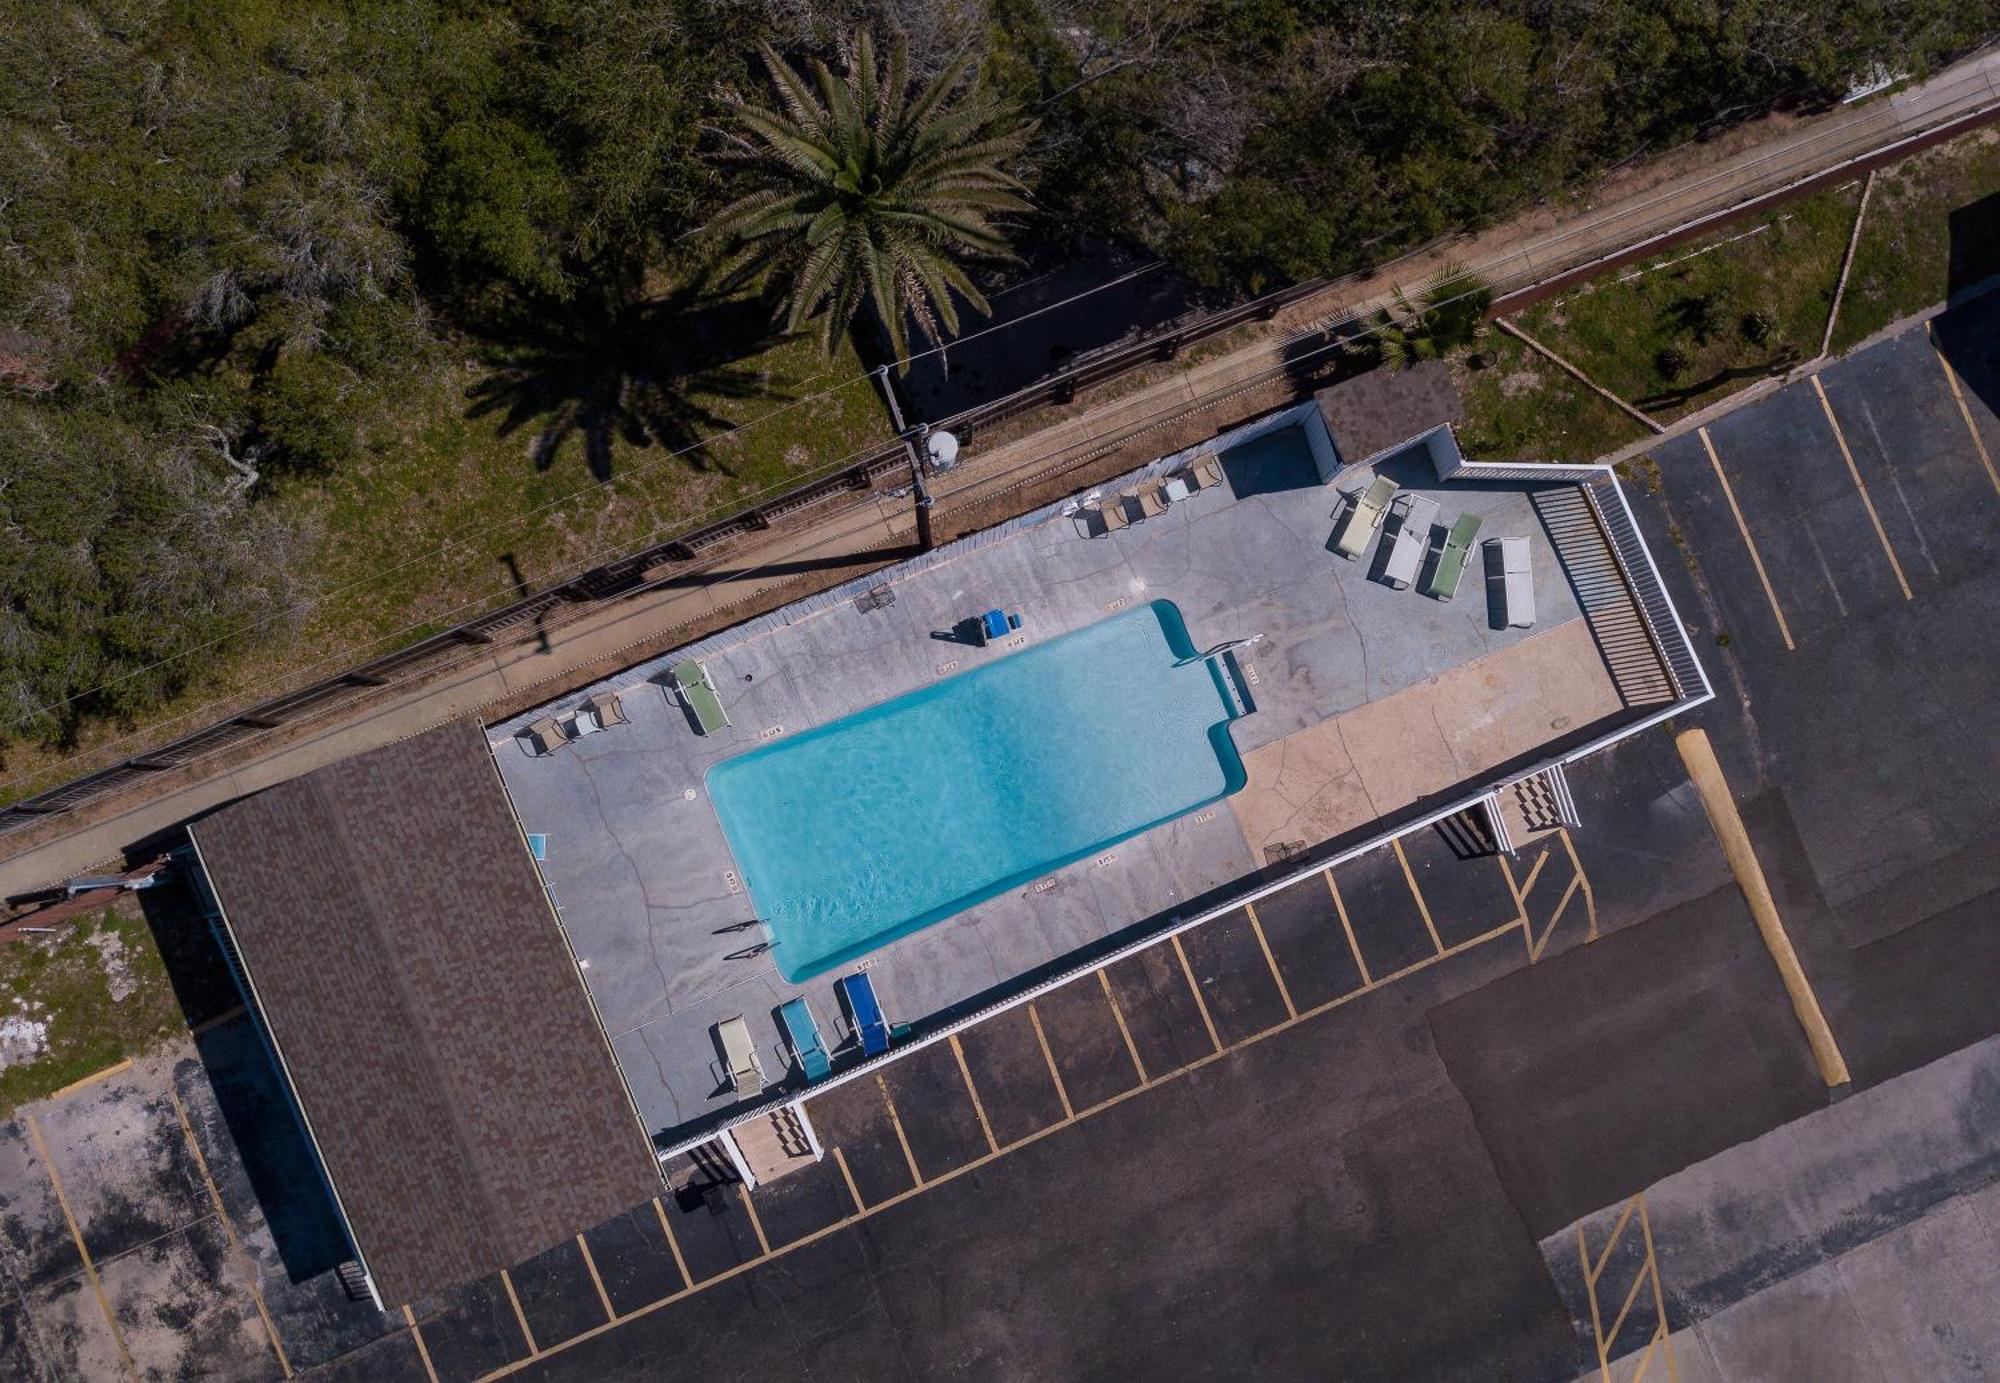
pixel 806 1127
pixel 727 1139
pixel 242 969
pixel 1503 841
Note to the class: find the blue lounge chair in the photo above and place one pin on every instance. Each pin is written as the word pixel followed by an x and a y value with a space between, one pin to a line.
pixel 870 1027
pixel 806 1044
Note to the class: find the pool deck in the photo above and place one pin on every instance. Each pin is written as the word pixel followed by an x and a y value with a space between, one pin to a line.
pixel 1368 700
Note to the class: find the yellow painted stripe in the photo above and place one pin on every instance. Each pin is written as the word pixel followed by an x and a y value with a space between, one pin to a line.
pixel 756 1224
pixel 1410 878
pixel 1958 394
pixel 1199 1002
pixel 229 1231
pixel 76 1235
pixel 1264 945
pixel 846 1175
pixel 965 1071
pixel 1035 1017
pixel 423 1350
pixel 116 1068
pixel 1118 1014
pixel 520 1316
pixel 596 1278
pixel 1346 925
pixel 896 1122
pixel 1861 487
pixel 687 1278
pixel 1756 558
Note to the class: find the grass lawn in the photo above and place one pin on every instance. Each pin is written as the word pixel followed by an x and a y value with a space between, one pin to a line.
pixel 1933 228
pixel 1677 333
pixel 96 996
pixel 1522 408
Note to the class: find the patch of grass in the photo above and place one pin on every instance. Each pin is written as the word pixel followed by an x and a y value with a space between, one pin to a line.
pixel 1933 227
pixel 95 996
pixel 1522 408
pixel 1675 334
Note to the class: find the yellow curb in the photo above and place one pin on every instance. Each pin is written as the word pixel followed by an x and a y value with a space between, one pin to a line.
pixel 1699 757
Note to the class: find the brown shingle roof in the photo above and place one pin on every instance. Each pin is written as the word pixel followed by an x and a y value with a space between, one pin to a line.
pixel 428 1011
pixel 1382 409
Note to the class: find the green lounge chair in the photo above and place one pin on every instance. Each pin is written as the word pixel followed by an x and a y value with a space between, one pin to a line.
pixel 807 1045
pixel 1358 528
pixel 1450 568
pixel 691 680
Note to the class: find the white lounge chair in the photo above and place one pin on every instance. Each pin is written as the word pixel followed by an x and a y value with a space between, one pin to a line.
pixel 1507 564
pixel 1414 516
pixel 746 1073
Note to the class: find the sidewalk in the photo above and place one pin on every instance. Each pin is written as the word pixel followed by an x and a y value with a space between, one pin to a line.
pixel 1537 244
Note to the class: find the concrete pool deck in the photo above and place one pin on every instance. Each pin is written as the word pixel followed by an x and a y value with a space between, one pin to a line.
pixel 1367 699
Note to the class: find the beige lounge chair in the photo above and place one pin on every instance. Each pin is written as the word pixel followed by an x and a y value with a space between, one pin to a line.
pixel 607 709
pixel 746 1073
pixel 1357 528
pixel 1114 513
pixel 1152 502
pixel 545 736
pixel 1206 472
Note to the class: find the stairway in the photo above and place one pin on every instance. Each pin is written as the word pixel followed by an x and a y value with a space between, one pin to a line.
pixel 1615 617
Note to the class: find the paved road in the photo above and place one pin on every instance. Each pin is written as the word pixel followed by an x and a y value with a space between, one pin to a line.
pixel 1540 242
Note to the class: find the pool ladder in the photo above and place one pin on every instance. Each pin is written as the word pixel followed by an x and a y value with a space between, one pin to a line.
pixel 1229 673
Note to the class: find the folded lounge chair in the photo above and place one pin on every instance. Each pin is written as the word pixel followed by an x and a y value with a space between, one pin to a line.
pixel 545 736
pixel 871 1029
pixel 1357 528
pixel 807 1047
pixel 692 681
pixel 1450 569
pixel 606 709
pixel 1206 472
pixel 1152 502
pixel 1414 516
pixel 746 1074
pixel 1114 514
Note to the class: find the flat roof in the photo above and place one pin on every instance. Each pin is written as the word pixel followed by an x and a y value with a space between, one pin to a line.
pixel 427 1011
pixel 1370 703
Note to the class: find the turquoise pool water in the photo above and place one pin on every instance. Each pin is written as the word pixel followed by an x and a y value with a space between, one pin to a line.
pixel 866 829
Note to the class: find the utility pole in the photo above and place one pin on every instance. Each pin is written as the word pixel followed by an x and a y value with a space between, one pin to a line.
pixel 912 438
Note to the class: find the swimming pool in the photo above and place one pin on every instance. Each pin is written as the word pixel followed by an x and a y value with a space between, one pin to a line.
pixel 866 829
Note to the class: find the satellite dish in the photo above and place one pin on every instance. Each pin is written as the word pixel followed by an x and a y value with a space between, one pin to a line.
pixel 943 449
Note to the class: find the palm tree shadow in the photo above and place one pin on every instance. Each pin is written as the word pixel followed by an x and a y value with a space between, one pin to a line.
pixel 604 368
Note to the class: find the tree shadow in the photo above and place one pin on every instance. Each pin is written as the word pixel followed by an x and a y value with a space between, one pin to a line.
pixel 606 367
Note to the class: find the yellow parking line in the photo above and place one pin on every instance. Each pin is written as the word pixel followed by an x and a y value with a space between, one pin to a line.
pixel 976 1164
pixel 1756 558
pixel 520 1316
pixel 1958 395
pixel 1199 1002
pixel 1854 473
pixel 1659 1298
pixel 985 1126
pixel 423 1350
pixel 76 1234
pixel 756 1224
pixel 853 1191
pixel 1583 877
pixel 896 1122
pixel 1035 1017
pixel 1340 906
pixel 1131 1047
pixel 116 1068
pixel 1541 943
pixel 673 1244
pixel 229 1231
pixel 1409 877
pixel 596 1278
pixel 1534 873
pixel 1291 1009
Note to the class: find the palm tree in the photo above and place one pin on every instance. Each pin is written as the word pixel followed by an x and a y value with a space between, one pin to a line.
pixel 1449 312
pixel 872 191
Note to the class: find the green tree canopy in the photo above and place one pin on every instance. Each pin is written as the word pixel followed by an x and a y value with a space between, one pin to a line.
pixel 872 188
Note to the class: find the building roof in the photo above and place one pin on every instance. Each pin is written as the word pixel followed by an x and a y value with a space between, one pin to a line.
pixel 1383 410
pixel 427 1010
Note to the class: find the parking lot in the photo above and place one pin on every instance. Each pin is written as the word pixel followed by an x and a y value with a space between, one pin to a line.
pixel 1839 543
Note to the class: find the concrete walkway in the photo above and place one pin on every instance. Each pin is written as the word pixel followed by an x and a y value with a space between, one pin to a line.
pixel 1644 206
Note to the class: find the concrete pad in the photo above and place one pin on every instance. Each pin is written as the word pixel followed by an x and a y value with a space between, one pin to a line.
pixel 1806 1327
pixel 35 1244
pixel 1926 1293
pixel 184 1305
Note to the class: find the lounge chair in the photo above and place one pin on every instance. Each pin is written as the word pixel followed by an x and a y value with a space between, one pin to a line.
pixel 1414 516
pixel 1357 527
pixel 746 1073
pixel 692 681
pixel 1114 514
pixel 606 709
pixel 1207 472
pixel 545 736
pixel 871 1029
pixel 1507 565
pixel 1442 583
pixel 1152 502
pixel 807 1047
